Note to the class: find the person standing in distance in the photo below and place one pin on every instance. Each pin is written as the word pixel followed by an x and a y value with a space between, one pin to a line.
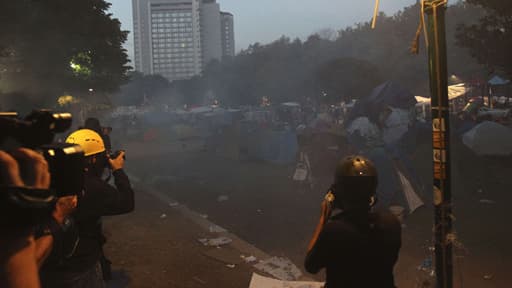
pixel 83 268
pixel 357 247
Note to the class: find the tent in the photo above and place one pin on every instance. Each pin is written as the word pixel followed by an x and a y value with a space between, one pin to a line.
pixel 489 139
pixel 497 80
pixel 396 125
pixel 362 132
pixel 388 94
pixel 457 90
pixel 395 184
pixel 454 92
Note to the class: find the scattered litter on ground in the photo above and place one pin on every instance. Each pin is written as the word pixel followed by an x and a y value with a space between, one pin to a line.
pixel 301 172
pixel 205 216
pixel 488 277
pixel 279 267
pixel 258 281
pixel 163 216
pixel 198 280
pixel 224 254
pixel 487 201
pixel 217 229
pixel 174 204
pixel 231 266
pixel 215 241
pixel 222 198
pixel 248 259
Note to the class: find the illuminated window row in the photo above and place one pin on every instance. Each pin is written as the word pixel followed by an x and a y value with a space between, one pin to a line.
pixel 175 59
pixel 161 25
pixel 172 14
pixel 168 20
pixel 163 32
pixel 172 36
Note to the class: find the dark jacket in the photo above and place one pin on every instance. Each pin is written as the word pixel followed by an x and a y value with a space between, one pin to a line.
pixel 357 252
pixel 98 199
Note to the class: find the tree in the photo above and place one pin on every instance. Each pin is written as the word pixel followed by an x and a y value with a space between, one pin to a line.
pixel 344 79
pixel 490 40
pixel 347 67
pixel 58 46
pixel 141 88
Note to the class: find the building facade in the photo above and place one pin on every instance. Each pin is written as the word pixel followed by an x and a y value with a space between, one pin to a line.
pixel 227 34
pixel 167 38
pixel 210 31
pixel 177 38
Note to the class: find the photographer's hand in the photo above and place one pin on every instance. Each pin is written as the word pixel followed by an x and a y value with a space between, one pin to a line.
pixel 117 163
pixel 35 166
pixel 10 170
pixel 18 266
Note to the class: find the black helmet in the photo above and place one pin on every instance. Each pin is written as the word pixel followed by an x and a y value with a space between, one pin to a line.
pixel 355 181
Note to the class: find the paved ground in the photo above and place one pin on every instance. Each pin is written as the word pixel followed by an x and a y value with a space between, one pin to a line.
pixel 263 206
pixel 148 250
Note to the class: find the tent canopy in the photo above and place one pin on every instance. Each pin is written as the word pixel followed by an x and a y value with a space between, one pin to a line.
pixel 395 187
pixel 489 138
pixel 497 80
pixel 454 92
pixel 384 95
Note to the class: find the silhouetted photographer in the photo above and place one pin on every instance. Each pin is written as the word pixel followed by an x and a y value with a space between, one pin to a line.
pixel 357 247
pixel 85 268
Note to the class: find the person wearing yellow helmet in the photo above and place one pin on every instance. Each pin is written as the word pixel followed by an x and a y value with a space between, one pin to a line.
pixel 84 268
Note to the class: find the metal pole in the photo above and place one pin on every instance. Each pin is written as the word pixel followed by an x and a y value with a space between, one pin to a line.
pixel 440 142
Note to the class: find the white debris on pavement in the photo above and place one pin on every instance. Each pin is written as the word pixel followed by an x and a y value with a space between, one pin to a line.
pixel 216 229
pixel 204 216
pixel 222 198
pixel 248 259
pixel 215 241
pixel 231 266
pixel 163 216
pixel 279 267
pixel 258 281
pixel 174 204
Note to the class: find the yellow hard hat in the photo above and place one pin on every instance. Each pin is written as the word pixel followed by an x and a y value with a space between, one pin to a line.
pixel 89 140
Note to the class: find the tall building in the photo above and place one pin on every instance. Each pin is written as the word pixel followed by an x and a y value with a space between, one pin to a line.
pixel 167 37
pixel 210 31
pixel 176 38
pixel 227 34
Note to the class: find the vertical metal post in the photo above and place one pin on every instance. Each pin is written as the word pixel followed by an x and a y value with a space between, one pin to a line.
pixel 435 11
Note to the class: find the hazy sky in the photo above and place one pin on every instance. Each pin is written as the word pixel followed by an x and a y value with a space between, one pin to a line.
pixel 266 20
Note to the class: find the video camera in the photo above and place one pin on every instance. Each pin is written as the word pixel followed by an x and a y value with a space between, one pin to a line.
pixel 65 162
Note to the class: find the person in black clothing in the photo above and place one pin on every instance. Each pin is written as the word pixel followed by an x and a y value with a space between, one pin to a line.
pixel 94 124
pixel 98 199
pixel 357 247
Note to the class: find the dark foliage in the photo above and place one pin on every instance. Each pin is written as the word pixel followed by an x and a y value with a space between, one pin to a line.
pixel 41 39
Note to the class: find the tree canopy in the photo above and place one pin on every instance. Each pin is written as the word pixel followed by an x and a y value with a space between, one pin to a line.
pixel 490 40
pixel 52 47
pixel 329 67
